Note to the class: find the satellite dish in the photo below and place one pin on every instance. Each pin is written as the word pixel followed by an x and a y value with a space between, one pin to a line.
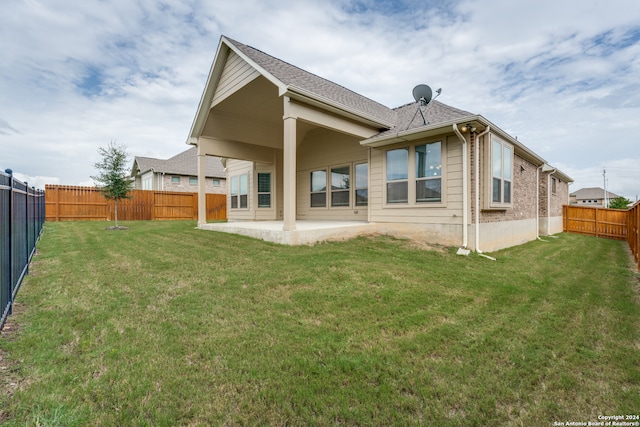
pixel 422 94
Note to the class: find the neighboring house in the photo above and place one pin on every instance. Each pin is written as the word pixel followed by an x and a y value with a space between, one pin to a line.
pixel 179 173
pixel 593 196
pixel 303 148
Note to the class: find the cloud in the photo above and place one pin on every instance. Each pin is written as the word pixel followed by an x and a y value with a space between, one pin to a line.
pixel 560 76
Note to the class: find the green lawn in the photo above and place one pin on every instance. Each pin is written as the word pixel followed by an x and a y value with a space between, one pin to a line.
pixel 166 325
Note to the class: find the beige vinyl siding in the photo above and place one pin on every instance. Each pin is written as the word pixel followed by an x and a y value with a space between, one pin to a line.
pixel 322 149
pixel 236 74
pixel 237 168
pixel 448 212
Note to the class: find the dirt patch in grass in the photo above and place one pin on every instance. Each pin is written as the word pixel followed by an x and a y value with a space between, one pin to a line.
pixel 8 368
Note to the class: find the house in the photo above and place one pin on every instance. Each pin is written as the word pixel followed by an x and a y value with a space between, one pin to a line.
pixel 179 173
pixel 592 196
pixel 302 149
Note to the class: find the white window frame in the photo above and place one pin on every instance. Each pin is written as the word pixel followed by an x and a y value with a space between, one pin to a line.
pixel 357 187
pixel 505 174
pixel 324 191
pixel 262 193
pixel 412 178
pixel 340 189
pixel 435 173
pixel 235 190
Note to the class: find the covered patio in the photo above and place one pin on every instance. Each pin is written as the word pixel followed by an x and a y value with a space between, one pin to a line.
pixel 306 233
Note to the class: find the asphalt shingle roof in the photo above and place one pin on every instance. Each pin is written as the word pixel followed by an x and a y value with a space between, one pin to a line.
pixel 408 117
pixel 592 193
pixel 296 77
pixel 399 119
pixel 185 163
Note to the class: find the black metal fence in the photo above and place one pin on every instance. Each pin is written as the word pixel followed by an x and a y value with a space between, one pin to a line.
pixel 22 215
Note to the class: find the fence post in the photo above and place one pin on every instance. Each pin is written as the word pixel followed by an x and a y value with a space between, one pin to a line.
pixel 11 218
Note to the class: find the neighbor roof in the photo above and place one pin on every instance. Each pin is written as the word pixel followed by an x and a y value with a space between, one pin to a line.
pixel 185 163
pixel 592 193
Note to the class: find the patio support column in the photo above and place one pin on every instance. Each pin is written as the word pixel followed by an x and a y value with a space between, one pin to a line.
pixel 202 193
pixel 289 168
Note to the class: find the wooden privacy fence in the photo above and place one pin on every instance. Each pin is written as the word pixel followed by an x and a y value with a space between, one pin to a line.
pixel 72 203
pixel 607 223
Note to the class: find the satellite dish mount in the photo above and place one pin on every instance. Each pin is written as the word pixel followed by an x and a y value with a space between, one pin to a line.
pixel 423 96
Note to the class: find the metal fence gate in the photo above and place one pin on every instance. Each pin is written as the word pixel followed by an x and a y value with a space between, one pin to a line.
pixel 22 215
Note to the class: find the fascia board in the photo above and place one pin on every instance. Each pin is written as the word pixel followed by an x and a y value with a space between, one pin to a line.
pixel 217 66
pixel 421 132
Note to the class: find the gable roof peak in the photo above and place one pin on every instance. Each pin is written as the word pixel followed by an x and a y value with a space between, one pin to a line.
pixel 297 80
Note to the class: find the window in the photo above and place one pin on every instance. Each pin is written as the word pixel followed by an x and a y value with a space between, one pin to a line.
pixel 362 184
pixel 175 180
pixel 553 185
pixel 234 192
pixel 147 182
pixel 340 177
pixel 244 191
pixel 239 190
pixel 264 189
pixel 193 180
pixel 216 182
pixel 397 175
pixel 501 165
pixel 319 189
pixel 429 172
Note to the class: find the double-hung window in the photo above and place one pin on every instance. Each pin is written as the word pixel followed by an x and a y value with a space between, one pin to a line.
pixel 362 184
pixel 501 171
pixel 429 172
pixel 397 175
pixel 340 186
pixel 239 191
pixel 264 189
pixel 233 190
pixel 319 189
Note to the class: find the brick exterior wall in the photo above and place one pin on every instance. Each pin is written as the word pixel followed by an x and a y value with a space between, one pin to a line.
pixel 524 190
pixel 523 197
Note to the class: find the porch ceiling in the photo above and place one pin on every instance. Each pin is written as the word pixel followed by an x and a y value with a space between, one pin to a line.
pixel 253 115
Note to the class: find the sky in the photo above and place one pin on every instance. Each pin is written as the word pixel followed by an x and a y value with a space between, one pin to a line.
pixel 561 76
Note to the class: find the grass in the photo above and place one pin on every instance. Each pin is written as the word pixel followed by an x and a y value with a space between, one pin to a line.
pixel 165 325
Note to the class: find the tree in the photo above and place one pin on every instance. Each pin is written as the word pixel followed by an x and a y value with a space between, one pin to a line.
pixel 619 203
pixel 112 179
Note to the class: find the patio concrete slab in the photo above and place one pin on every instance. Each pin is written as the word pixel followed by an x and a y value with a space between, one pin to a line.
pixel 306 233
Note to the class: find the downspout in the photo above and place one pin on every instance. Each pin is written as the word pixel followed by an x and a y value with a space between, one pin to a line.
pixel 550 171
pixel 368 184
pixel 477 187
pixel 538 201
pixel 549 202
pixel 465 201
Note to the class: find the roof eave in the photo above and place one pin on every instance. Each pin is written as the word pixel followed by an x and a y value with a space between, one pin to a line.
pixel 217 66
pixel 421 132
